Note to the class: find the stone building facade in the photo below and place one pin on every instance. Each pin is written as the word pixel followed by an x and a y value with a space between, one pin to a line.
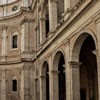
pixel 49 49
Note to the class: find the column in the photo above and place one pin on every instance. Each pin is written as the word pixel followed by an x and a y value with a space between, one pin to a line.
pixel 53 81
pixel 67 70
pixel 66 9
pixel 75 80
pixel 98 55
pixel 3 85
pixel 54 90
pixel 4 43
pixel 42 26
pixel 25 84
pixel 42 87
pixel 53 14
pixel 27 35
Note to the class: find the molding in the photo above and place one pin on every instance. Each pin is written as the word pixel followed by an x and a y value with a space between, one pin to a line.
pixel 16 15
pixel 29 20
pixel 74 64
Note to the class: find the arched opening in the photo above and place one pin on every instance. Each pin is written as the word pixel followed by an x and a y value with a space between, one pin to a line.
pixel 45 74
pixel 88 70
pixel 60 9
pixel 84 51
pixel 59 65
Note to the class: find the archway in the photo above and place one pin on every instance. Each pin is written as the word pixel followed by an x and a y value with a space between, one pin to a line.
pixel 88 71
pixel 45 81
pixel 84 51
pixel 59 65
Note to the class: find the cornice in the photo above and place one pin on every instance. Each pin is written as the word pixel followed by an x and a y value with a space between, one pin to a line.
pixel 16 15
pixel 12 3
pixel 65 24
pixel 29 20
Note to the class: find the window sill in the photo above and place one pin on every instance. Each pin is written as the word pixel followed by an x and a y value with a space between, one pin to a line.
pixel 14 49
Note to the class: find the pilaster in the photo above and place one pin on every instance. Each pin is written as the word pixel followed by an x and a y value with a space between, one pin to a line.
pixel 4 43
pixel 42 87
pixel 67 70
pixel 67 9
pixel 27 35
pixel 25 83
pixel 98 54
pixel 54 93
pixel 53 14
pixel 75 80
pixel 53 76
pixel 3 85
pixel 42 26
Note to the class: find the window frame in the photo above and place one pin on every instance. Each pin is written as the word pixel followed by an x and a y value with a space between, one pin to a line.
pixel 11 84
pixel 14 34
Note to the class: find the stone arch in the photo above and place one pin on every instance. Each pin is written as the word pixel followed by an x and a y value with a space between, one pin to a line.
pixel 45 81
pixel 56 58
pixel 84 50
pixel 59 76
pixel 78 43
pixel 43 68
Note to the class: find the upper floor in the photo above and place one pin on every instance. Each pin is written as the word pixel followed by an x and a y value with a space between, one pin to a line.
pixel 29 27
pixel 10 7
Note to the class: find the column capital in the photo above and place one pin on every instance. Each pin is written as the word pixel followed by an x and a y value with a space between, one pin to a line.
pixel 54 71
pixel 44 19
pixel 26 20
pixel 75 64
pixel 42 76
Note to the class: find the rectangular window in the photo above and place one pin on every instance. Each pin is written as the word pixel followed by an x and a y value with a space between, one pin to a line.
pixel 14 85
pixel 14 41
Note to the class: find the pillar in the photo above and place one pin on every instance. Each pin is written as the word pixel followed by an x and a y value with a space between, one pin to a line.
pixel 98 54
pixel 42 87
pixel 67 70
pixel 27 35
pixel 4 43
pixel 3 85
pixel 53 14
pixel 53 81
pixel 42 26
pixel 54 91
pixel 75 80
pixel 25 84
pixel 66 9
